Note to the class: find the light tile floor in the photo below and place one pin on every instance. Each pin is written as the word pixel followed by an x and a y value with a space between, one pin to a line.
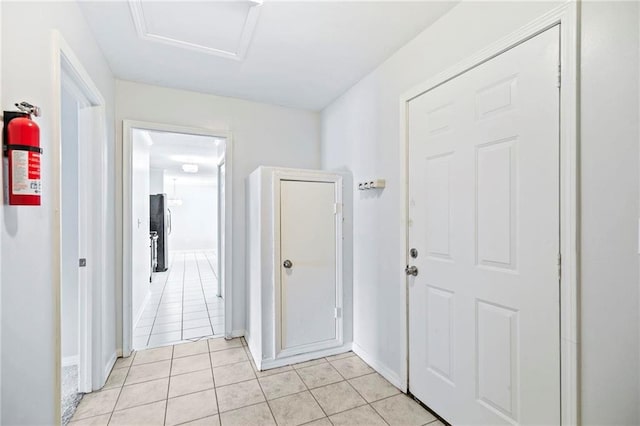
pixel 183 305
pixel 214 381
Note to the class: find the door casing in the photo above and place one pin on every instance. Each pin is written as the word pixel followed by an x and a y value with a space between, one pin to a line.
pixel 222 172
pixel 127 219
pixel 69 71
pixel 566 17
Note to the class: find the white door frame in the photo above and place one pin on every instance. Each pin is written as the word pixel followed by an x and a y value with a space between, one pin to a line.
pixel 307 176
pixel 220 245
pixel 566 16
pixel 127 202
pixel 68 70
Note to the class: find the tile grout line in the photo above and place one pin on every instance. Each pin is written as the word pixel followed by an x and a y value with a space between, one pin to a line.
pixel 184 272
pixel 344 379
pixel 169 378
pixel 217 281
pixel 213 378
pixel 255 376
pixel 355 377
pixel 210 265
pixel 363 398
pixel 311 393
pixel 159 302
pixel 204 296
pixel 166 405
pixel 266 400
pixel 113 410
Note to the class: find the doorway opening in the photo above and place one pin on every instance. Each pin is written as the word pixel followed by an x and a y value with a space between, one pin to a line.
pixel 70 277
pixel 176 287
pixel 80 154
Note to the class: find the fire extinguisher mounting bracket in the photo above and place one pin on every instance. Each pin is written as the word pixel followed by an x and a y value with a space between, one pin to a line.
pixel 29 109
pixel 25 110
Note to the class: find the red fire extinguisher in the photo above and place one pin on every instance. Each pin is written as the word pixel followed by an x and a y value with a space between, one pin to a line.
pixel 22 156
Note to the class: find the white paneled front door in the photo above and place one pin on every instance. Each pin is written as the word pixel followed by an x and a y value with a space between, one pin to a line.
pixel 484 315
pixel 308 263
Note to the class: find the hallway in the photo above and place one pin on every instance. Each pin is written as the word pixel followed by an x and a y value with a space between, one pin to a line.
pixel 215 382
pixel 183 305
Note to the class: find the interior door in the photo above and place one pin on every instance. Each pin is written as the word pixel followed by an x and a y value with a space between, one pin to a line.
pixel 308 263
pixel 484 220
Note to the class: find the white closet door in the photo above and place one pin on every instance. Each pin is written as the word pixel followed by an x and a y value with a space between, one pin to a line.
pixel 308 241
pixel 484 215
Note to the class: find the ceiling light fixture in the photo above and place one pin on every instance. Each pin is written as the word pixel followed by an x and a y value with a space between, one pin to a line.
pixel 190 168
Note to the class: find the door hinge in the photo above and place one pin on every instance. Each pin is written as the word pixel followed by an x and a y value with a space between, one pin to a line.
pixel 337 208
pixel 559 75
pixel 337 312
pixel 559 267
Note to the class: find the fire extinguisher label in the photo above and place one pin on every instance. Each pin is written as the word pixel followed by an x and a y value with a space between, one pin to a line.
pixel 25 174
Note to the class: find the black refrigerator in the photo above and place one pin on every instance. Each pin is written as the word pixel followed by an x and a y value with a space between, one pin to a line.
pixel 160 222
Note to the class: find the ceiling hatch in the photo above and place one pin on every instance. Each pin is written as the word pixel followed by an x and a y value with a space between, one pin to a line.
pixel 216 28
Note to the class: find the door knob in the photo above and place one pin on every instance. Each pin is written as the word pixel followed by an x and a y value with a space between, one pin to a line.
pixel 411 270
pixel 287 264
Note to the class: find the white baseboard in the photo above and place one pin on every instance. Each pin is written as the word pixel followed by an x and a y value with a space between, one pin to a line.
pixel 68 361
pixel 112 361
pixel 236 333
pixel 136 318
pixel 384 371
pixel 267 364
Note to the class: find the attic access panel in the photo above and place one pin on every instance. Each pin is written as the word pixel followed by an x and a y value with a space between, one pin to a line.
pixel 216 28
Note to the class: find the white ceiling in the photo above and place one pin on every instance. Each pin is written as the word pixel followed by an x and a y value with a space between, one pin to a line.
pixel 300 54
pixel 170 151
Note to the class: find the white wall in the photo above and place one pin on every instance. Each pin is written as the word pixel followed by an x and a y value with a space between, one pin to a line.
pixel 141 252
pixel 609 241
pixel 28 290
pixel 360 133
pixel 69 235
pixel 194 223
pixel 156 181
pixel 262 135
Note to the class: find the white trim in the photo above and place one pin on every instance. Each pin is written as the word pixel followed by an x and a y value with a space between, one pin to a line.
pixel 243 44
pixel 138 314
pixel 110 363
pixel 2 220
pixel 566 16
pixel 268 364
pixel 127 152
pixel 235 333
pixel 384 371
pixel 228 237
pixel 68 361
pixel 67 67
pixel 308 176
pixel 220 245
